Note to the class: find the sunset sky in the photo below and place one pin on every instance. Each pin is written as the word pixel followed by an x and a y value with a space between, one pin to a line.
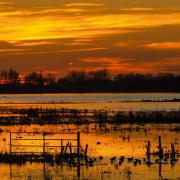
pixel 56 36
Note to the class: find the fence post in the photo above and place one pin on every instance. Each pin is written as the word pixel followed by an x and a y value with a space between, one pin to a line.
pixel 78 154
pixel 160 148
pixel 173 153
pixel 78 143
pixel 148 151
pixel 44 144
pixel 86 150
pixel 62 147
pixel 10 150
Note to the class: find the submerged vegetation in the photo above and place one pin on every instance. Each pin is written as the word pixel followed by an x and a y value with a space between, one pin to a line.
pixel 38 145
pixel 74 116
pixel 154 156
pixel 12 81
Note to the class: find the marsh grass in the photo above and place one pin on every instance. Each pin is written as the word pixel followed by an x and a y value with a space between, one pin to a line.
pixel 84 116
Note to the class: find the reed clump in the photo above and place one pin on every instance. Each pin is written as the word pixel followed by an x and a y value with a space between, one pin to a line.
pixel 84 116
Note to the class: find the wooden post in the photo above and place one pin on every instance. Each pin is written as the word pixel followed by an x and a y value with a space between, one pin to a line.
pixel 86 150
pixel 148 152
pixel 44 144
pixel 78 169
pixel 62 150
pixel 78 154
pixel 160 148
pixel 65 151
pixel 10 151
pixel 70 149
pixel 10 143
pixel 172 152
pixel 159 139
pixel 78 143
pixel 62 147
pixel 160 169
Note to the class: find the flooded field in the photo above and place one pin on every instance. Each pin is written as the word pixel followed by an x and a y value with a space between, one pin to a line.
pixel 114 150
pixel 105 143
pixel 108 101
pixel 86 97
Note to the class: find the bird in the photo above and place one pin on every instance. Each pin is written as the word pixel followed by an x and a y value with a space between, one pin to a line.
pixel 130 159
pixel 100 158
pixel 113 159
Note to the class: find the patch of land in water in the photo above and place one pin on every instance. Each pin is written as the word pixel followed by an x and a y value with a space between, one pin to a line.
pixel 11 116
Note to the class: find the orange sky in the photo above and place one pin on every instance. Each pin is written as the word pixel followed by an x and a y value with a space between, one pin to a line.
pixel 121 36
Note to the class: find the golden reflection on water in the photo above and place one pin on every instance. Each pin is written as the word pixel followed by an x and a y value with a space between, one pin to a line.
pixel 124 106
pixel 107 141
pixel 38 171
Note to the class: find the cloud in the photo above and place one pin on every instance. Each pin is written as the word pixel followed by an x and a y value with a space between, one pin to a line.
pixel 80 42
pixel 166 65
pixel 6 51
pixel 164 45
pixel 30 52
pixel 5 3
pixel 49 23
pixel 84 5
pixel 122 65
pixel 33 43
pixel 122 36
pixel 137 9
pixel 114 65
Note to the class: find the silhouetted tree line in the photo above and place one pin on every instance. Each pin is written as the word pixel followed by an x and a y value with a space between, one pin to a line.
pixel 81 81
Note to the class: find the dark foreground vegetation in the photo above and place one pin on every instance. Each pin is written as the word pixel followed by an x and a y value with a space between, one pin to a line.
pixel 12 81
pixel 74 116
pixel 77 156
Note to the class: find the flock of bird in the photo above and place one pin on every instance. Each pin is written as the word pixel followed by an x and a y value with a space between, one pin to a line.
pixel 120 160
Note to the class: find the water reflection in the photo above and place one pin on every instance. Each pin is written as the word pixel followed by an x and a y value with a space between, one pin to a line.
pixel 108 101
pixel 105 141
pixel 86 97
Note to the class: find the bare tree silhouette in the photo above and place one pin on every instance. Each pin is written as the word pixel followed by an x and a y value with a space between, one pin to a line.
pixel 35 78
pixel 10 76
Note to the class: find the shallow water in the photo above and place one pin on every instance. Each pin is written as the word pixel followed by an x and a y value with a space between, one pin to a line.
pixel 119 101
pixel 86 97
pixel 107 141
pixel 101 171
